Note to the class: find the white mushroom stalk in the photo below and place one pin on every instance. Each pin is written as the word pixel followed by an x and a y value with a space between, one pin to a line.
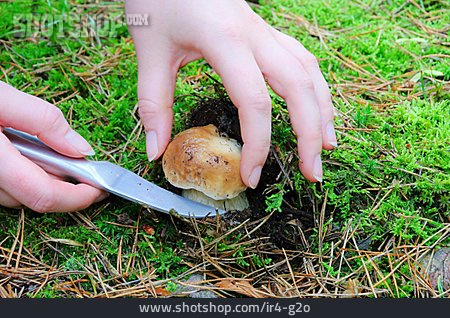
pixel 207 166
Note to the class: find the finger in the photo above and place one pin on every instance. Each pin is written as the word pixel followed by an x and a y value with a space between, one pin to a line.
pixel 103 195
pixel 245 84
pixel 156 86
pixel 37 117
pixel 56 177
pixel 31 186
pixel 321 88
pixel 8 201
pixel 289 79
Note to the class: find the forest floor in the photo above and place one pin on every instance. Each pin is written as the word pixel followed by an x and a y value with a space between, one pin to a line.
pixel 373 228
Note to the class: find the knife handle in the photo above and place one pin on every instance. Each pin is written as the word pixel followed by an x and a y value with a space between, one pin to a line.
pixel 31 147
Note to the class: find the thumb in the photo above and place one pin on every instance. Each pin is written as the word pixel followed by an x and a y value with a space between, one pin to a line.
pixel 42 119
pixel 155 89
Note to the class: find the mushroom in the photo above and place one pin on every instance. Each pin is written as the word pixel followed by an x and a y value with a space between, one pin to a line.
pixel 206 166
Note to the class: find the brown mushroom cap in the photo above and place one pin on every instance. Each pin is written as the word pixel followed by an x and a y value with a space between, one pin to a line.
pixel 199 158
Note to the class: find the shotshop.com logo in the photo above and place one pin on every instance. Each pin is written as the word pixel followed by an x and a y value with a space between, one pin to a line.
pixel 74 25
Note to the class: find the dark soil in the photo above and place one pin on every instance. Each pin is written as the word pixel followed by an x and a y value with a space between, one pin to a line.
pixel 217 111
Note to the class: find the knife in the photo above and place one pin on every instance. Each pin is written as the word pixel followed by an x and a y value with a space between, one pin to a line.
pixel 106 176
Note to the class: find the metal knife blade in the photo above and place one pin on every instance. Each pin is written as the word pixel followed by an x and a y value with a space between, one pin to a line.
pixel 130 186
pixel 107 176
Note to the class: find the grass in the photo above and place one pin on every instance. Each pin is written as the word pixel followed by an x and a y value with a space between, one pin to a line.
pixel 384 202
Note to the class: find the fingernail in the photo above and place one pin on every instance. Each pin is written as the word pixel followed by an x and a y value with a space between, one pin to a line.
pixel 152 145
pixel 318 169
pixel 254 177
pixel 331 134
pixel 79 143
pixel 102 197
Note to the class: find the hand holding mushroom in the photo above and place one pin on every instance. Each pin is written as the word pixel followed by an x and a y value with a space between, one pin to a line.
pixel 246 52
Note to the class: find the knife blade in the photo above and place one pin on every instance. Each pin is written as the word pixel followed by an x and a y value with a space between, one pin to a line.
pixel 107 176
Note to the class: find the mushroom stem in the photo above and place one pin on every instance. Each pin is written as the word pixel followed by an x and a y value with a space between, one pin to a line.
pixel 237 203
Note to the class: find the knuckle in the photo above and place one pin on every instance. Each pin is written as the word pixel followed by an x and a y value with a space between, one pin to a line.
pixel 261 148
pixel 152 105
pixel 84 205
pixel 300 82
pixel 255 20
pixel 149 108
pixel 53 116
pixel 310 60
pixel 260 102
pixel 43 202
pixel 312 134
pixel 231 31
